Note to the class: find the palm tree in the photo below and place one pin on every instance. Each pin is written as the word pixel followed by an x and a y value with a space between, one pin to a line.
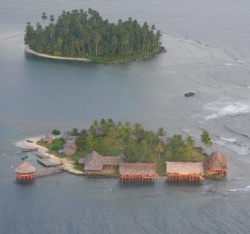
pixel 51 30
pixel 44 16
pixel 161 132
pixel 206 139
pixel 97 40
pixel 52 19
pixel 59 42
pixel 159 149
pixel 190 145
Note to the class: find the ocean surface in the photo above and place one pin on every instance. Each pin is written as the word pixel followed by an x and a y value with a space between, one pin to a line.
pixel 208 49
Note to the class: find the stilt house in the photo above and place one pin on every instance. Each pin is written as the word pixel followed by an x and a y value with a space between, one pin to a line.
pixel 137 171
pixel 184 171
pixel 217 163
pixel 25 171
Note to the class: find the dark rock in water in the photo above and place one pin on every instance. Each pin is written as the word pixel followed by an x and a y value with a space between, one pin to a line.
pixel 189 94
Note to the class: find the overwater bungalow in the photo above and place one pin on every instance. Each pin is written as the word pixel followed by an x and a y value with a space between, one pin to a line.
pixel 95 162
pixel 137 171
pixel 25 171
pixel 184 171
pixel 216 163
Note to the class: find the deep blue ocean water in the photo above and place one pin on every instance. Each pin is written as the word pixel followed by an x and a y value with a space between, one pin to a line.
pixel 208 49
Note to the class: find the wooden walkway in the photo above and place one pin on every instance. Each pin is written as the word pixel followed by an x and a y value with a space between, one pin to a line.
pixel 49 171
pixel 47 163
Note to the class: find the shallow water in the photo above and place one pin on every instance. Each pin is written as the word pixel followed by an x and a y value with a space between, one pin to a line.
pixel 207 53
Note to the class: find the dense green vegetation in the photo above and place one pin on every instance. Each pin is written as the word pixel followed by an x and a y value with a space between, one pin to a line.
pixel 57 144
pixel 84 34
pixel 137 144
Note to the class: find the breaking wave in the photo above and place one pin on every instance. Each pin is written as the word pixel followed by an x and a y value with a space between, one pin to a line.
pixel 232 140
pixel 236 108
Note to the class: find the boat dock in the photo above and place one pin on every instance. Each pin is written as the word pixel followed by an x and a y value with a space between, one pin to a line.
pixel 49 171
pixel 47 163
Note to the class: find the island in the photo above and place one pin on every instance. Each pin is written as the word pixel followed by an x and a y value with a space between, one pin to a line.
pixel 109 149
pixel 84 36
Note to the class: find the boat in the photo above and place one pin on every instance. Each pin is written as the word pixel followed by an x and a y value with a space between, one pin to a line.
pixel 29 141
pixel 24 157
pixel 29 150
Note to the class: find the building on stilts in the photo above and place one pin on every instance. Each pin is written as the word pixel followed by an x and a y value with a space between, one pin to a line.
pixel 184 171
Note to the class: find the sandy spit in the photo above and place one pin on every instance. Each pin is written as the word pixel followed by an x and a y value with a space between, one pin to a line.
pixel 29 51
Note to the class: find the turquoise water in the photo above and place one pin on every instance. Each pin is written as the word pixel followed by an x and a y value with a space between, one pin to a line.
pixel 207 53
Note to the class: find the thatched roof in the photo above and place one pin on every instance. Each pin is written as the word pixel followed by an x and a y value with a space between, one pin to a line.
pixel 66 134
pixel 184 167
pixel 137 169
pixel 95 161
pixel 113 160
pixel 48 139
pixel 25 167
pixel 68 151
pixel 70 139
pixel 70 145
pixel 217 160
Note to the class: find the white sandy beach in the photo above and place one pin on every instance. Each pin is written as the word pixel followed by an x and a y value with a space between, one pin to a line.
pixel 28 50
pixel 68 165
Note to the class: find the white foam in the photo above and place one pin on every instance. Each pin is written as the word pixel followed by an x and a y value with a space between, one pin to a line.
pixel 229 64
pixel 240 189
pixel 232 140
pixel 236 108
pixel 189 41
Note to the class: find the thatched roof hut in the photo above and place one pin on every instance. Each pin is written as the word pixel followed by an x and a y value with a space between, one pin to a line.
pixel 48 139
pixel 137 171
pixel 69 148
pixel 70 139
pixel 217 163
pixel 69 151
pixel 25 167
pixel 188 171
pixel 96 162
pixel 70 145
pixel 183 168
pixel 66 134
pixel 93 162
pixel 25 171
pixel 113 160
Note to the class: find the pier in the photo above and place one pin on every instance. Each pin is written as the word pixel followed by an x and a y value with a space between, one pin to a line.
pixel 47 163
pixel 49 171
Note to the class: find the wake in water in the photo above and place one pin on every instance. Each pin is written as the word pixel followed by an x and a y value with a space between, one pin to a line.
pixel 240 189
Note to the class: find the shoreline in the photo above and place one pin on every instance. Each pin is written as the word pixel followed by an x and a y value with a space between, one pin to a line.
pixel 30 51
pixel 68 165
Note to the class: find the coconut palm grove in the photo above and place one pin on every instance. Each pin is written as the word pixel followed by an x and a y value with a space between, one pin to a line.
pixel 84 34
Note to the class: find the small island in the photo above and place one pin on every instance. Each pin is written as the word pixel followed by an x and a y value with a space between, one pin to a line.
pixel 109 149
pixel 84 36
